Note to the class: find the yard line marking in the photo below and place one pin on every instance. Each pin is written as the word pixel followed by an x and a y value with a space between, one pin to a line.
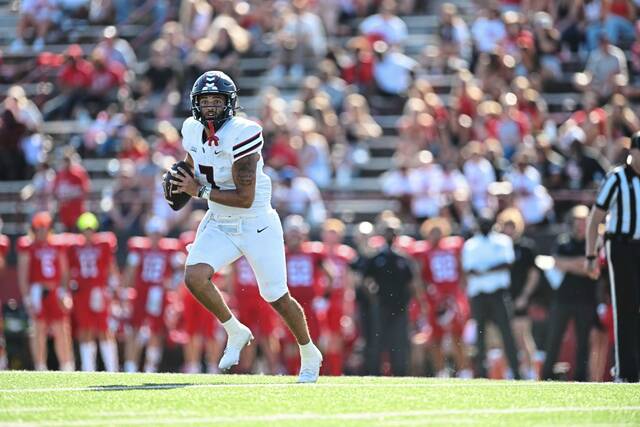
pixel 341 417
pixel 130 387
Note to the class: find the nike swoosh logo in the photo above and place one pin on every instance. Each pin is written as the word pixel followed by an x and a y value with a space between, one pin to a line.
pixel 262 229
pixel 218 152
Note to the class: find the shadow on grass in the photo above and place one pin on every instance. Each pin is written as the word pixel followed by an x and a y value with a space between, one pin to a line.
pixel 147 386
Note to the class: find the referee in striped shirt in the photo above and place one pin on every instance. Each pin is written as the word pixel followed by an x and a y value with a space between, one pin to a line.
pixel 619 195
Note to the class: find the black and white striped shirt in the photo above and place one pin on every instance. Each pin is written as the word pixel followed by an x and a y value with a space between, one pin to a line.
pixel 620 195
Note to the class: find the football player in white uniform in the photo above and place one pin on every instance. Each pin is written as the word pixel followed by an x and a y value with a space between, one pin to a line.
pixel 223 151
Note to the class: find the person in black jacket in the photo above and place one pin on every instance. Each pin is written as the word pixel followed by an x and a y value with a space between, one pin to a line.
pixel 392 275
pixel 575 298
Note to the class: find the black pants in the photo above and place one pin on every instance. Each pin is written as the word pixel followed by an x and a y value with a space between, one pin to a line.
pixel 624 275
pixel 494 307
pixel 583 315
pixel 392 337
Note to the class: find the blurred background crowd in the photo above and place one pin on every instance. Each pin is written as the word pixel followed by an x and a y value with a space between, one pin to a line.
pixel 381 114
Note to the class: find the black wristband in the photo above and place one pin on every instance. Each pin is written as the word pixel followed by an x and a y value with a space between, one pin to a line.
pixel 591 257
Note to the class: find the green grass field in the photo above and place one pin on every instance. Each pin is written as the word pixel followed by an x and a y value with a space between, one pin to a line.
pixel 79 399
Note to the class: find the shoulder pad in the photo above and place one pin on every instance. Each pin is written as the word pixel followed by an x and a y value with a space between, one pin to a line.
pixel 66 239
pixel 107 237
pixel 313 247
pixel 138 243
pixel 190 128
pixel 404 242
pixel 189 124
pixel 419 247
pixel 24 243
pixel 247 138
pixel 347 252
pixel 454 241
pixel 169 244
pixel 245 128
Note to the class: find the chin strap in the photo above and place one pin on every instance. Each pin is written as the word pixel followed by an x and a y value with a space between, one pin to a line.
pixel 212 134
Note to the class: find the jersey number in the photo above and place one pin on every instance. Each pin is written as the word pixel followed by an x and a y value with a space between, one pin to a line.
pixel 88 264
pixel 208 172
pixel 153 268
pixel 444 268
pixel 47 264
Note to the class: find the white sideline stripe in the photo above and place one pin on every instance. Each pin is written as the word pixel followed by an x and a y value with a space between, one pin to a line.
pixel 344 417
pixel 141 387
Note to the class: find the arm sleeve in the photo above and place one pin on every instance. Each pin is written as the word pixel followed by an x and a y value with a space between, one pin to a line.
pixel 249 141
pixel 605 194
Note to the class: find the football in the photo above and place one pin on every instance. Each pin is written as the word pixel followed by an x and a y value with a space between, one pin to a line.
pixel 176 200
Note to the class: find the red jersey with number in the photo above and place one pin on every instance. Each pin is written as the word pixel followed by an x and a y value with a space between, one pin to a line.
pixel 45 259
pixel 441 266
pixel 154 264
pixel 90 261
pixel 245 282
pixel 253 311
pixel 338 260
pixel 304 275
pixel 154 267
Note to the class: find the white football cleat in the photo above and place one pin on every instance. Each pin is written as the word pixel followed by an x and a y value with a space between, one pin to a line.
pixel 235 344
pixel 310 367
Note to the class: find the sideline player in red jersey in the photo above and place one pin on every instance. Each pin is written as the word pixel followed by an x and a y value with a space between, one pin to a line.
pixel 338 260
pixel 150 266
pixel 42 277
pixel 92 266
pixel 439 259
pixel 200 325
pixel 305 272
pixel 257 314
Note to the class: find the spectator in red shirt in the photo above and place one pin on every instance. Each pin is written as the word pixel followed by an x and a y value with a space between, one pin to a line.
pixel 71 188
pixel 74 78
pixel 106 79
pixel 133 147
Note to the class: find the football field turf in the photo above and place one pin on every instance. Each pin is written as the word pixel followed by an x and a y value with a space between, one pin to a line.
pixel 78 399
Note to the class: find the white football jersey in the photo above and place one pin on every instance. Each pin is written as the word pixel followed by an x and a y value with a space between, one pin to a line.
pixel 237 138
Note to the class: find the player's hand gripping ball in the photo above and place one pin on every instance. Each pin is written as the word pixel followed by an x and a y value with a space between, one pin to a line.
pixel 176 198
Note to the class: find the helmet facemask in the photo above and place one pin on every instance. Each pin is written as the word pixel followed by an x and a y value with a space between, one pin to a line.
pixel 215 113
pixel 213 106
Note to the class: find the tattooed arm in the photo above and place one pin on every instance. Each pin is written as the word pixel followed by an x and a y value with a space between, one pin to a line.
pixel 244 177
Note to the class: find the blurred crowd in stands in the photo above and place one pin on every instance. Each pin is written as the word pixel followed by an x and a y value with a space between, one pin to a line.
pixel 508 104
